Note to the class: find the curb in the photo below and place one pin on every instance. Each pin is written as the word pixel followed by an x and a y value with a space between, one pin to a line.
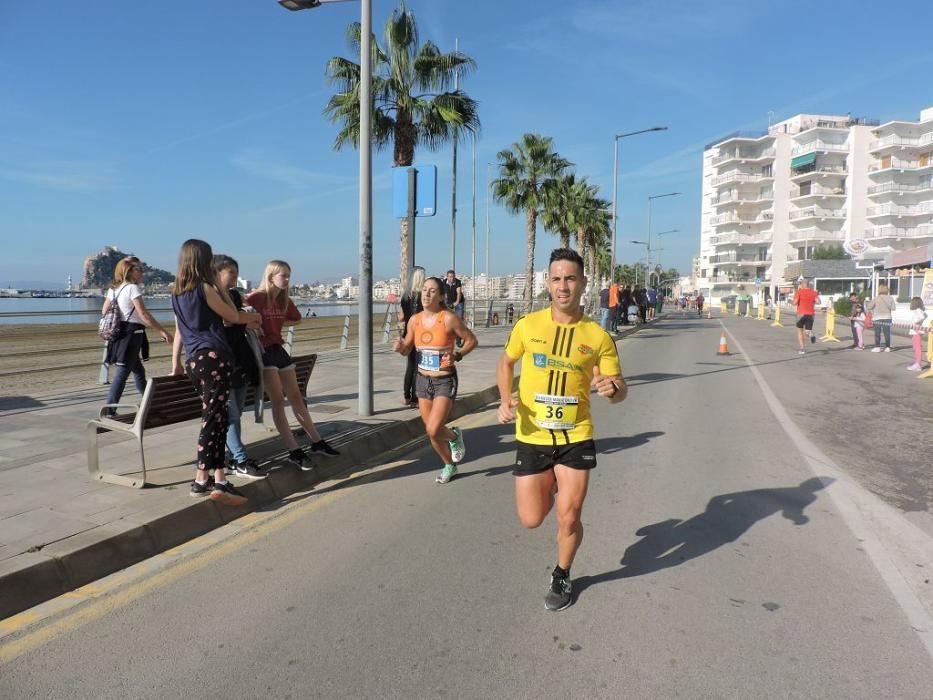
pixel 36 577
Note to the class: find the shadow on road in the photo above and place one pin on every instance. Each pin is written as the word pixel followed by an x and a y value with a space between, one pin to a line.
pixel 626 442
pixel 727 517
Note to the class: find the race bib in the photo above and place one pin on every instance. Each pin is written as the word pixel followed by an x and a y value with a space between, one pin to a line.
pixel 429 360
pixel 556 412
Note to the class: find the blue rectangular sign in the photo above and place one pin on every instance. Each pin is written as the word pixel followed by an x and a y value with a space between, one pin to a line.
pixel 425 190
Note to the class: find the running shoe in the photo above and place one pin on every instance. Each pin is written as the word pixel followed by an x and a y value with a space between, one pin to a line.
pixel 226 495
pixel 812 338
pixel 322 448
pixel 447 473
pixel 249 468
pixel 559 595
pixel 801 352
pixel 201 490
pixel 457 448
pixel 300 460
pixel 888 349
pixel 915 367
pixel 878 349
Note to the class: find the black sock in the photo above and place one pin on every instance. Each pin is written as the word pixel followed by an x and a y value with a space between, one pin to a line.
pixel 561 573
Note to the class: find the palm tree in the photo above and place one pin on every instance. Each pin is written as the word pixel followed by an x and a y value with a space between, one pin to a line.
pixel 412 103
pixel 558 215
pixel 526 179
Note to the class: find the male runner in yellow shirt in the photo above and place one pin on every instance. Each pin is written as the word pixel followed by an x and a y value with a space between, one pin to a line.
pixel 564 354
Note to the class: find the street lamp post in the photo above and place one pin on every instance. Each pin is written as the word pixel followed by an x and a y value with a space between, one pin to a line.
pixel 615 188
pixel 365 308
pixel 488 190
pixel 664 233
pixel 648 247
pixel 651 198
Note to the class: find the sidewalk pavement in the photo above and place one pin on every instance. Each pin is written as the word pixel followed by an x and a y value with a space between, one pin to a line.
pixel 61 529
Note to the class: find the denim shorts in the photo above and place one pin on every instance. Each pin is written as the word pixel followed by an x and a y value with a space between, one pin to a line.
pixel 431 387
pixel 276 357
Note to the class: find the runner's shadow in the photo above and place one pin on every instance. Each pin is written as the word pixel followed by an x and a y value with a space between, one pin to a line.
pixel 727 517
pixel 617 444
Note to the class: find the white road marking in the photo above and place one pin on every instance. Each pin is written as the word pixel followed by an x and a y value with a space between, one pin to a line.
pixel 900 550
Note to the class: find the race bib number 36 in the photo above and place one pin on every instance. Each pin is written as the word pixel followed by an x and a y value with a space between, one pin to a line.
pixel 556 412
pixel 429 360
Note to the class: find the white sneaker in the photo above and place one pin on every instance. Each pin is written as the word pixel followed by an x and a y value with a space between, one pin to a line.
pixel 887 349
pixel 876 349
pixel 914 367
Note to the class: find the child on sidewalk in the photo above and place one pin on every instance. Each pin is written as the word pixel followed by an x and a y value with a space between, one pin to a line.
pixel 917 317
pixel 272 302
pixel 199 315
pixel 857 318
pixel 246 370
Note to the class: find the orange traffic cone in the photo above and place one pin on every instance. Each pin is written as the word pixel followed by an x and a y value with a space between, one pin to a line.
pixel 723 345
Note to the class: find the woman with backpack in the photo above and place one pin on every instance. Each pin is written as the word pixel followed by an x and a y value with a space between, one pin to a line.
pixel 129 346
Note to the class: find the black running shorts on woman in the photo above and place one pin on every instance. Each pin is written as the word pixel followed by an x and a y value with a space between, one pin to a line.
pixel 805 321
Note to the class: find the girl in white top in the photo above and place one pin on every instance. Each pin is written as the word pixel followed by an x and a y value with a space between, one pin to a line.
pixel 131 347
pixel 917 317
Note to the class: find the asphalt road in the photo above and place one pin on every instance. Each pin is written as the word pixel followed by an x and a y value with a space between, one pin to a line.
pixel 715 563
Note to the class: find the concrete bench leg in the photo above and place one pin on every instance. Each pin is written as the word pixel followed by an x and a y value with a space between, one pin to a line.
pixel 93 461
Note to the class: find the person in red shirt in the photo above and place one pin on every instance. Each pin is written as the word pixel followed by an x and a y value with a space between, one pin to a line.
pixel 272 302
pixel 805 299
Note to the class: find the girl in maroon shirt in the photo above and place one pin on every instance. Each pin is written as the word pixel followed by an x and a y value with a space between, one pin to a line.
pixel 272 302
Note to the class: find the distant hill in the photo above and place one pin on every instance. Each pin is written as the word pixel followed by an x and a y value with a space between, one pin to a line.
pixel 98 270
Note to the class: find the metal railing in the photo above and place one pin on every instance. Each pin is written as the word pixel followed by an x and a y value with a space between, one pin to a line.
pixel 821 170
pixel 900 164
pixel 898 187
pixel 923 231
pixel 736 176
pixel 744 155
pixel 818 146
pixel 818 190
pixel 811 212
pixel 901 210
pixel 740 198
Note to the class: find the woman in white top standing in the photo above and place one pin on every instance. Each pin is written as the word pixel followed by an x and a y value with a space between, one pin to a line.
pixel 131 347
pixel 882 308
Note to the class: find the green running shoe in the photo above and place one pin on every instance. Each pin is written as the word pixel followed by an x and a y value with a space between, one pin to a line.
pixel 457 448
pixel 447 473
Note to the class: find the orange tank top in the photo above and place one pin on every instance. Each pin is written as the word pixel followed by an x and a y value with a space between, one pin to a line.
pixel 432 344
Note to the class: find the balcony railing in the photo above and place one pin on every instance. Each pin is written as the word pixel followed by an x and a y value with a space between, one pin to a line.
pixel 811 212
pixel 900 164
pixel 744 155
pixel 815 234
pixel 736 176
pixel 893 140
pixel 821 170
pixel 922 209
pixel 741 239
pixel 742 198
pixel 733 258
pixel 818 146
pixel 818 190
pixel 924 231
pixel 898 187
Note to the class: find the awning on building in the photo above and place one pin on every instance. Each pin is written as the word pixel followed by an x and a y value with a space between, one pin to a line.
pixel 801 161
pixel 910 257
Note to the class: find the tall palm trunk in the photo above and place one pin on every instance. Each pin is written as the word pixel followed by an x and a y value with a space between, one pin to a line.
pixel 565 239
pixel 531 216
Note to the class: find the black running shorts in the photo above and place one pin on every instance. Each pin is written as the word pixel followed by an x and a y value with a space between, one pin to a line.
pixel 805 321
pixel 534 459
pixel 430 387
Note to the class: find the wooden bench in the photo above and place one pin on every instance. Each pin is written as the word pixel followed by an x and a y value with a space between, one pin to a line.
pixel 166 401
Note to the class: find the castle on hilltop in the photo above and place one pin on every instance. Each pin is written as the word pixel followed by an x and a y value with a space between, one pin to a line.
pixel 98 270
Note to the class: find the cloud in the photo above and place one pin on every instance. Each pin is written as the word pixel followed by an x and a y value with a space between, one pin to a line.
pixel 259 164
pixel 76 176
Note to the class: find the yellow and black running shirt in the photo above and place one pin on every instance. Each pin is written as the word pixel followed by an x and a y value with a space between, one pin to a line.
pixel 557 368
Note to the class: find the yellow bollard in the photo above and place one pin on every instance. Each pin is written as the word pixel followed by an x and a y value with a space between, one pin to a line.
pixel 736 306
pixel 748 309
pixel 761 312
pixel 829 336
pixel 722 307
pixel 777 316
pixel 929 373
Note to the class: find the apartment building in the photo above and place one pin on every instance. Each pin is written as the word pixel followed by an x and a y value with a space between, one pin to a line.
pixel 811 181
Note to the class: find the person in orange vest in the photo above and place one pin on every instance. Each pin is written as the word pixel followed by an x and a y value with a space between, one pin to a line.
pixel 613 308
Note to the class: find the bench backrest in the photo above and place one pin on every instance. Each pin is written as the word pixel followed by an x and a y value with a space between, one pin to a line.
pixel 172 399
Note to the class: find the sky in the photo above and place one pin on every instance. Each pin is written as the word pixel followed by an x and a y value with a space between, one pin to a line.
pixel 141 124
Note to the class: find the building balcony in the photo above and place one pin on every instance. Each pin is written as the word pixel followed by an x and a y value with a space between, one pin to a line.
pixel 741 239
pixel 815 235
pixel 802 193
pixel 737 197
pixel 737 176
pixel 816 213
pixel 900 164
pixel 923 210
pixel 822 172
pixel 765 217
pixel 895 143
pixel 744 155
pixel 897 233
pixel 818 146
pixel 900 188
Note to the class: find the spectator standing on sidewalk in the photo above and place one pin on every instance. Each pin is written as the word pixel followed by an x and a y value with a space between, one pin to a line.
pixel 917 317
pixel 613 326
pixel 805 299
pixel 409 305
pixel 882 308
pixel 652 296
pixel 453 293
pixel 700 301
pixel 604 310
